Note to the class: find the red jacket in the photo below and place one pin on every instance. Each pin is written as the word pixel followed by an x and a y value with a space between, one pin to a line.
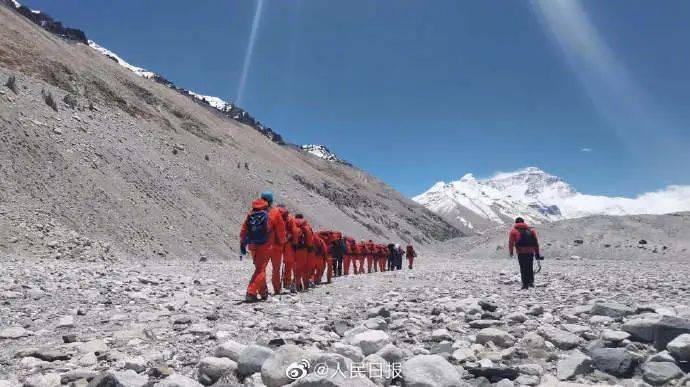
pixel 361 249
pixel 351 246
pixel 302 226
pixel 514 237
pixel 291 229
pixel 321 246
pixel 370 248
pixel 276 225
pixel 410 252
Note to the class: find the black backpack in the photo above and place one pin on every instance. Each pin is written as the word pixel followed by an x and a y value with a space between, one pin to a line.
pixel 257 227
pixel 526 238
pixel 301 238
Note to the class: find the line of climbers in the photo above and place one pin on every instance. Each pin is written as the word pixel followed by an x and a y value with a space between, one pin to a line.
pixel 300 257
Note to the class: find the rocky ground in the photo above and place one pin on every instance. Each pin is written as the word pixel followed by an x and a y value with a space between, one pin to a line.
pixel 446 323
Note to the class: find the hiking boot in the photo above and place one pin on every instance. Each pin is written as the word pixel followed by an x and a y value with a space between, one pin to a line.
pixel 312 285
pixel 251 298
pixel 264 296
pixel 292 289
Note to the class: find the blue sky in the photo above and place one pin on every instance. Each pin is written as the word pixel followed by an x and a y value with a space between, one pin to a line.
pixel 415 92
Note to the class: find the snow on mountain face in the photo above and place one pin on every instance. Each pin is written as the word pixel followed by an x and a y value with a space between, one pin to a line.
pixel 320 151
pixel 137 70
pixel 539 197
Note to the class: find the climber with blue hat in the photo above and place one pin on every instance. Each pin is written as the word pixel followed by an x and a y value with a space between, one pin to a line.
pixel 264 233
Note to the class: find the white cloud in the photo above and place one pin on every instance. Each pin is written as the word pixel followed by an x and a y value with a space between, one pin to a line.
pixel 586 150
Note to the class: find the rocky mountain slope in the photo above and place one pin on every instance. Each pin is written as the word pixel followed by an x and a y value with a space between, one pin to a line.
pixel 88 149
pixel 538 197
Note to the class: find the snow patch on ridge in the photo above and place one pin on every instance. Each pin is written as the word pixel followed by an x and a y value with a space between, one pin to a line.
pixel 320 151
pixel 137 70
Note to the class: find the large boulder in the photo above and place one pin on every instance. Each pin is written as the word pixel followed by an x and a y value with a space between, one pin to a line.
pixel 391 353
pixel 430 371
pixel 370 341
pixel 667 329
pixel 349 351
pixel 615 361
pixel 213 368
pixel 660 373
pixel 316 380
pixel 378 370
pixel 679 347
pixel 497 336
pixel 641 329
pixel 560 338
pixel 230 349
pixel 494 373
pixel 274 369
pixel 252 358
pixel 47 380
pixel 177 380
pixel 575 364
pixel 611 309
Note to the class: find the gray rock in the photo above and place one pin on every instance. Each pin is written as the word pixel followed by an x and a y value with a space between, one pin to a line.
pixel 575 364
pixel 614 336
pixel 679 347
pixel 494 373
pixel 661 357
pixel 349 351
pixel 213 368
pixel 274 369
pixel 497 336
pixel 442 347
pixel 611 309
pixel 230 349
pixel 660 373
pixel 136 364
pixel 14 333
pixel 74 375
pixel 48 380
pixel 615 361
pixel 377 369
pixel 378 311
pixel 177 380
pixel 66 322
pixel 641 329
pixel 430 371
pixel 505 383
pixel 441 335
pixel 369 341
pixel 252 358
pixel 667 329
pixel 516 317
pixel 561 339
pixel 314 380
pixel 391 353
pixel 130 378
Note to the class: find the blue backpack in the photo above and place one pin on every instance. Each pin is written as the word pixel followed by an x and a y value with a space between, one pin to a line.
pixel 257 227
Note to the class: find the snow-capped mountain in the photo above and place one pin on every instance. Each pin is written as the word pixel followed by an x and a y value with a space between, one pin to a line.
pixel 538 197
pixel 320 151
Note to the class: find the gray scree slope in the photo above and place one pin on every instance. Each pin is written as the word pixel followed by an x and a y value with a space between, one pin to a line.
pixel 146 170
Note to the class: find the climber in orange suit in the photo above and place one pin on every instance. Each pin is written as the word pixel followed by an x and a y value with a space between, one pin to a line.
pixel 288 250
pixel 263 229
pixel 303 250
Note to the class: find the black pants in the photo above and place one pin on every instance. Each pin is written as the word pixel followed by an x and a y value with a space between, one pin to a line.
pixel 337 266
pixel 526 269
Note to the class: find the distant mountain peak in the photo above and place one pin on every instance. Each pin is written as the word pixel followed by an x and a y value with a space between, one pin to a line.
pixel 320 151
pixel 538 197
